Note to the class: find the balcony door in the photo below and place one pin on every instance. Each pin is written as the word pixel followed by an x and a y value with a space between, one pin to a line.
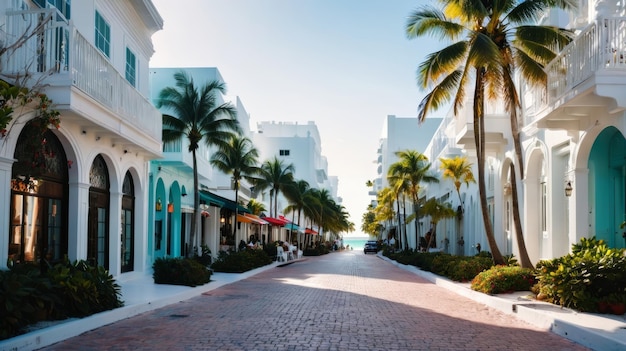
pixel 128 224
pixel 98 217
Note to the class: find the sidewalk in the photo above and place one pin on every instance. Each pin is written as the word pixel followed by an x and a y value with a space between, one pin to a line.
pixel 140 294
pixel 601 332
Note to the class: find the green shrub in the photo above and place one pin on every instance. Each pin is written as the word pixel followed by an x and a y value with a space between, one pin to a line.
pixel 466 268
pixel 591 273
pixel 83 289
pixel 242 261
pixel 501 279
pixel 66 290
pixel 23 293
pixel 180 271
pixel 442 263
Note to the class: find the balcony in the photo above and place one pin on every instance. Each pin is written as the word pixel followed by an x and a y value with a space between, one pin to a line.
pixel 176 155
pixel 80 80
pixel 585 81
pixel 497 125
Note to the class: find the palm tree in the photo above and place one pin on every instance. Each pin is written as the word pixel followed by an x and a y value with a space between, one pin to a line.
pixel 198 116
pixel 297 194
pixel 413 166
pixel 437 211
pixel 384 209
pixel 239 159
pixel 255 207
pixel 497 40
pixel 276 176
pixel 459 171
pixel 400 186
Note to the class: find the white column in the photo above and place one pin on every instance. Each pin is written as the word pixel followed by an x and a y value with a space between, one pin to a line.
pixel 579 224
pixel 6 164
pixel 115 233
pixel 78 211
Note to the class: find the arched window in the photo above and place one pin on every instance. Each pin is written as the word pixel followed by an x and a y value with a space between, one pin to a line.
pixel 128 223
pixel 98 218
pixel 38 198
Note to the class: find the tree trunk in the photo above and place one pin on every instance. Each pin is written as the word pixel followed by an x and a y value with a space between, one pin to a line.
pixel 519 235
pixel 236 209
pixel 479 138
pixel 417 217
pixel 399 231
pixel 195 219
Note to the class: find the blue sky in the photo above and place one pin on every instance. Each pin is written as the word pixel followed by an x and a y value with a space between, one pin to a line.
pixel 345 64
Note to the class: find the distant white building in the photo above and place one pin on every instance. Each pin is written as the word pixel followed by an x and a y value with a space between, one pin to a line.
pixel 399 134
pixel 300 145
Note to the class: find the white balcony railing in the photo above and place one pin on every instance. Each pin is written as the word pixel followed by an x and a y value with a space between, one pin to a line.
pixel 59 49
pixel 601 46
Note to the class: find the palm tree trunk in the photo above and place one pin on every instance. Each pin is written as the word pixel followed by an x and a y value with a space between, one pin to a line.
pixel 236 209
pixel 406 241
pixel 399 231
pixel 195 219
pixel 417 225
pixel 479 138
pixel 519 235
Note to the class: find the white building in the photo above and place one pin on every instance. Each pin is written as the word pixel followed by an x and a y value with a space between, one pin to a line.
pixel 574 183
pixel 91 58
pixel 399 134
pixel 300 145
pixel 171 184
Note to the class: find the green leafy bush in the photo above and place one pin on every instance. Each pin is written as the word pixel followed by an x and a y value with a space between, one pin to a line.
pixel 180 271
pixel 83 289
pixel 242 261
pixel 591 273
pixel 66 290
pixel 466 268
pixel 501 279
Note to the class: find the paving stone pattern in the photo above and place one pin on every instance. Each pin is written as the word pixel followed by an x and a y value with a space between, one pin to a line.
pixel 342 301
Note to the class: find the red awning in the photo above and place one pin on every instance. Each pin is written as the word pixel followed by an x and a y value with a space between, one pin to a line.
pixel 310 231
pixel 275 221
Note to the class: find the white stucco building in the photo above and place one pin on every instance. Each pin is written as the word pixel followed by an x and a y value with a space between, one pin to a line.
pixel 574 182
pixel 91 58
pixel 300 145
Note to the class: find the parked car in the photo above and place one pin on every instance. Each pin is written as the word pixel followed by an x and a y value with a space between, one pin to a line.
pixel 370 246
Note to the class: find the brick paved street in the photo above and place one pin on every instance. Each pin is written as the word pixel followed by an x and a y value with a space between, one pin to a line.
pixel 341 301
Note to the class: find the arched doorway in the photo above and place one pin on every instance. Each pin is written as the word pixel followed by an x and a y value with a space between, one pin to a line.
pixel 39 197
pixel 98 218
pixel 128 224
pixel 607 177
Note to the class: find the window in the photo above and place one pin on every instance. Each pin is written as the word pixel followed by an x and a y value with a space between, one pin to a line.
pixel 131 64
pixel 103 35
pixel 284 153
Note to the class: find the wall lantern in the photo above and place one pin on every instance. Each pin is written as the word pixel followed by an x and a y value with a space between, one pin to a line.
pixel 222 220
pixel 507 188
pixel 568 188
pixel 184 193
pixel 159 205
pixel 170 207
